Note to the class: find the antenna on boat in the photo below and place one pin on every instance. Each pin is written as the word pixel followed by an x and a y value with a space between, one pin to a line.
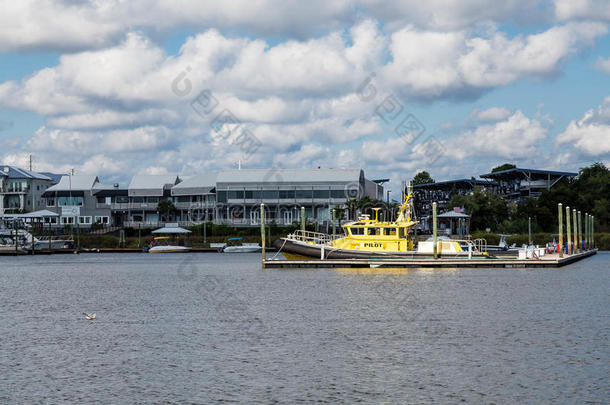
pixel 376 214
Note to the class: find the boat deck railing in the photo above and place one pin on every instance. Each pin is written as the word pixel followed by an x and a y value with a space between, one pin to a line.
pixel 317 238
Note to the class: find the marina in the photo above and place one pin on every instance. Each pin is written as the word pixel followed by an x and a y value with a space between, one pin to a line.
pixel 445 262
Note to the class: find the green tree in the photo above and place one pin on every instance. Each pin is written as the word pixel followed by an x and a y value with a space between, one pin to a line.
pixel 505 166
pixel 487 209
pixel 166 207
pixel 422 178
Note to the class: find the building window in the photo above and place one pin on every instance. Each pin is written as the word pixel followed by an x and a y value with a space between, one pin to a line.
pixel 389 231
pixel 69 201
pixel 101 219
pixel 287 194
pixel 337 193
pixel 67 220
pixel 357 231
pixel 121 199
pixel 84 220
pixel 322 194
pixel 235 195
pixel 50 202
pixel 304 194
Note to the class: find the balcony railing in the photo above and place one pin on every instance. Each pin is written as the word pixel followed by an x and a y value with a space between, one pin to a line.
pixel 153 206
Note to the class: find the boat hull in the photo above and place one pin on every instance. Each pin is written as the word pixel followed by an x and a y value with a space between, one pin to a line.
pixel 241 249
pixel 169 249
pixel 295 250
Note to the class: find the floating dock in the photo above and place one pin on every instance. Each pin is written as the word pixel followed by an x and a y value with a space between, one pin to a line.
pixel 552 260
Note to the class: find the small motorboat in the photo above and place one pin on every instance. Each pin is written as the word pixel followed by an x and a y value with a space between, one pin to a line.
pixel 169 244
pixel 236 245
pixel 89 316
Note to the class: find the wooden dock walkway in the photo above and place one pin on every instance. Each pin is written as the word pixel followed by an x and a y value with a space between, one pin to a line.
pixel 552 260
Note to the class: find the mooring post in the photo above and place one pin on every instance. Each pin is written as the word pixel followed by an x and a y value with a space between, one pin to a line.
pixel 205 233
pixel 560 230
pixel 580 231
pixel 263 232
pixel 593 231
pixel 586 225
pixel 334 225
pixel 16 235
pixel 434 230
pixel 569 230
pixel 303 222
pixel 529 230
pixel 575 224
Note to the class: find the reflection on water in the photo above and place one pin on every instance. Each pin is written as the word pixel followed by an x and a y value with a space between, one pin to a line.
pixel 203 328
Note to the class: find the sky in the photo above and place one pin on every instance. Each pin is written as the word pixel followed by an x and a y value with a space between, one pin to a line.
pixel 117 87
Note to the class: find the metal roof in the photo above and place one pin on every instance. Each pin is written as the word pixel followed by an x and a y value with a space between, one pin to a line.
pixel 453 214
pixel 35 214
pixel 171 228
pixel 77 182
pixel 144 181
pixel 53 176
pixel 16 173
pixel 289 176
pixel 520 173
pixel 451 183
pixel 199 184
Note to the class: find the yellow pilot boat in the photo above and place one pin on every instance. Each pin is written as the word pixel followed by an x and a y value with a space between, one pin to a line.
pixel 366 238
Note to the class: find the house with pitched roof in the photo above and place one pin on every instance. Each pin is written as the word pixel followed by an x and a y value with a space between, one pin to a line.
pixel 21 190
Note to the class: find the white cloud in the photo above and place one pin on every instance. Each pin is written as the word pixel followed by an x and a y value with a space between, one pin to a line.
pixel 591 134
pixel 582 9
pixel 68 25
pixel 437 64
pixel 603 65
pixel 493 114
pixel 515 137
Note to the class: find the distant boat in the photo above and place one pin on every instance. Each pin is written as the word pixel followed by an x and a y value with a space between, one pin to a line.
pixel 89 316
pixel 236 245
pixel 169 244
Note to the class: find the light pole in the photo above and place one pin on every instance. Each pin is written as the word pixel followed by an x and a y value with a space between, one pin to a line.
pixel 388 205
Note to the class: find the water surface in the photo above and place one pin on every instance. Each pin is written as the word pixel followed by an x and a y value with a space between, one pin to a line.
pixel 206 328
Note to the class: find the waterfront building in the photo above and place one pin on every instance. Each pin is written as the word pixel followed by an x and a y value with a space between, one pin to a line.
pixel 21 190
pixel 145 191
pixel 195 199
pixel 517 184
pixel 74 200
pixel 442 192
pixel 239 194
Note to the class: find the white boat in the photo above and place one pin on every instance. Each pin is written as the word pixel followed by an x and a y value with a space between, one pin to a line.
pixel 236 245
pixel 169 249
pixel 29 241
pixel 169 244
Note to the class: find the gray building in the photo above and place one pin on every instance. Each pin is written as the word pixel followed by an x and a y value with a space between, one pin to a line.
pixel 518 184
pixel 239 194
pixel 21 190
pixel 74 199
pixel 145 192
pixel 195 198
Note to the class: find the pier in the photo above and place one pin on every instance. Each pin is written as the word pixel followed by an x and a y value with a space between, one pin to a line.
pixel 552 260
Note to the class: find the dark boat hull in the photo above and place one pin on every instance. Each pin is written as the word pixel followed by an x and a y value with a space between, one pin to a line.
pixel 295 249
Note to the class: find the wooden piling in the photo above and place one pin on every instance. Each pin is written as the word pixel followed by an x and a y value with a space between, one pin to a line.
pixel 575 225
pixel 560 230
pixel 569 229
pixel 435 230
pixel 263 234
